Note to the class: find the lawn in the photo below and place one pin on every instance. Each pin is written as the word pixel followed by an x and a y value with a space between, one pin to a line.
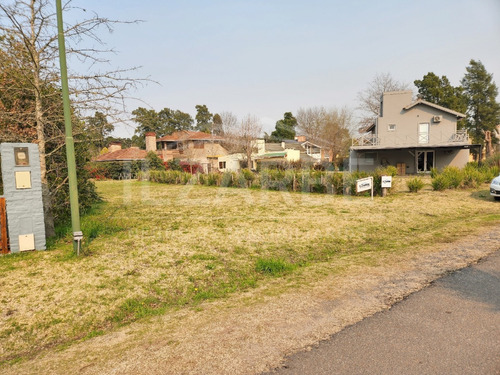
pixel 153 248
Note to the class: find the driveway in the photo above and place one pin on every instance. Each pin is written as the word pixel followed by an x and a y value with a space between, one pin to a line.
pixel 450 327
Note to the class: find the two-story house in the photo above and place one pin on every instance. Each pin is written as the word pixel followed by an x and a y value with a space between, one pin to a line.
pixel 413 136
pixel 191 146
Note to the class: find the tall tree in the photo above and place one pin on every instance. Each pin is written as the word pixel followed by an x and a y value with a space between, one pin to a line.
pixel 285 128
pixel 28 34
pixel 438 90
pixel 162 123
pixel 204 119
pixel 97 129
pixel 369 99
pixel 483 111
pixel 218 128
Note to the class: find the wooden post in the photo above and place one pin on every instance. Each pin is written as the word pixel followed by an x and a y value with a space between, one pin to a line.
pixel 384 192
pixel 4 249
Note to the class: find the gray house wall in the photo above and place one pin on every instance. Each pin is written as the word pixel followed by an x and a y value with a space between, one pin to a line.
pixel 395 138
pixel 407 122
pixel 369 160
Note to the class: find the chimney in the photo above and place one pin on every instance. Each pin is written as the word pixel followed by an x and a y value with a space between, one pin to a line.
pixel 300 138
pixel 114 146
pixel 150 141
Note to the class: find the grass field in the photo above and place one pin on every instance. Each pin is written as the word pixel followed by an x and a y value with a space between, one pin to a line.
pixel 152 248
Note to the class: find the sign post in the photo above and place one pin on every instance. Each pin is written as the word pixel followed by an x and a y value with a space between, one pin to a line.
pixel 386 183
pixel 364 184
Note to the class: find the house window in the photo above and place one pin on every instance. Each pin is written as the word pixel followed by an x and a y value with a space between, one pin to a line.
pixel 199 144
pixel 222 165
pixel 172 146
pixel 391 127
pixel 423 133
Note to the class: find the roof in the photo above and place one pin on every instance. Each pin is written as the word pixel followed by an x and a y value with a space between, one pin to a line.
pixel 429 104
pixel 272 147
pixel 132 153
pixel 188 135
pixel 293 145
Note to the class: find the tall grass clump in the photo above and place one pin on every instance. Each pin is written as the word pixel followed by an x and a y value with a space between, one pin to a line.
pixel 415 184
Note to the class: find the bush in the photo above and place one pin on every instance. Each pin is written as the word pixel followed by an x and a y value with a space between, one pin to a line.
pixel 454 177
pixel 415 184
pixel 174 165
pixel 154 162
pixel 439 183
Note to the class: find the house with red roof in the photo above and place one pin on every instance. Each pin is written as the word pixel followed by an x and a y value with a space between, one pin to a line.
pixel 188 146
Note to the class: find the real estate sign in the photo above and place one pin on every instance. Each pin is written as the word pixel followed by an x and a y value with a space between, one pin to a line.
pixel 364 184
pixel 386 181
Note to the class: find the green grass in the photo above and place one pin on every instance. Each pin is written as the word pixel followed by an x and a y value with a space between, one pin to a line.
pixel 151 249
pixel 273 266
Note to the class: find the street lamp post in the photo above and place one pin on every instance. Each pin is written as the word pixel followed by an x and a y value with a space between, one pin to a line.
pixel 70 147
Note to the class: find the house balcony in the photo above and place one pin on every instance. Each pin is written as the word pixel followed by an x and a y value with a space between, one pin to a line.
pixel 367 141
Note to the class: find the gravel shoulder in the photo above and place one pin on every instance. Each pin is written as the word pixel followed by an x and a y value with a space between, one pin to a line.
pixel 253 332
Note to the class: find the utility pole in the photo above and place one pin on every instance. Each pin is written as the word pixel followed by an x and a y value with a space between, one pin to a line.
pixel 70 146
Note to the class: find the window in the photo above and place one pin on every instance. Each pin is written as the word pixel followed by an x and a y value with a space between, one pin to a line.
pixel 423 133
pixel 391 127
pixel 222 165
pixel 172 146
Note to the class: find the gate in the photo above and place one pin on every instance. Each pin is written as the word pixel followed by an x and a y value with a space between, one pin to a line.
pixel 4 244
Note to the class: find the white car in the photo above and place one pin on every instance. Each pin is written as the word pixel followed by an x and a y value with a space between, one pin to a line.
pixel 495 188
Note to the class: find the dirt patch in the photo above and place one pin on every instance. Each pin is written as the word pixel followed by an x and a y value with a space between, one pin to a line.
pixel 253 332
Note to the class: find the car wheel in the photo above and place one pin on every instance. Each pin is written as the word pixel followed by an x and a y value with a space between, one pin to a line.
pixel 497 198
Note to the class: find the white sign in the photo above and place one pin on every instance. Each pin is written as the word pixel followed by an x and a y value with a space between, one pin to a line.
pixel 364 184
pixel 386 181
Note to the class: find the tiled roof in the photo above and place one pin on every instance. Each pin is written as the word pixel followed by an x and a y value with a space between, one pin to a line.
pixel 429 104
pixel 187 135
pixel 132 153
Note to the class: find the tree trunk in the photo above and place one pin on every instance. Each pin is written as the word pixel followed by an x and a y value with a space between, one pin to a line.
pixel 40 130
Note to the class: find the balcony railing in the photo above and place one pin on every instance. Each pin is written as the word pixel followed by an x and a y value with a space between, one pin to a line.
pixel 370 140
pixel 366 140
pixel 460 136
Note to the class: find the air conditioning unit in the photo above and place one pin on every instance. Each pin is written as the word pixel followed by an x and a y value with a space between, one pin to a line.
pixel 437 118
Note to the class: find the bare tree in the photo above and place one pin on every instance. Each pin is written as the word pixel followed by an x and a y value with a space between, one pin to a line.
pixel 310 122
pixel 369 99
pixel 328 128
pixel 28 33
pixel 241 136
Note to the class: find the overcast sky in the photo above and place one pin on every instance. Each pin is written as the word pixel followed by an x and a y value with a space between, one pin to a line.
pixel 267 57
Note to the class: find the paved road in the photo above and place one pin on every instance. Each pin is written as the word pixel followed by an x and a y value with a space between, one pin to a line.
pixel 451 327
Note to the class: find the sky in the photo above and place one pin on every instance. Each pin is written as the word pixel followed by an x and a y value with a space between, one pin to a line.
pixel 268 57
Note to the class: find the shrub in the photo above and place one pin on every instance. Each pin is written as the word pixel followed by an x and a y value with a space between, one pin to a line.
pixel 439 183
pixel 174 165
pixel 454 177
pixel 154 162
pixel 415 184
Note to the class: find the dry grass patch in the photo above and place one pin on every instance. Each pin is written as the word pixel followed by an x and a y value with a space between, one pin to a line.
pixel 161 247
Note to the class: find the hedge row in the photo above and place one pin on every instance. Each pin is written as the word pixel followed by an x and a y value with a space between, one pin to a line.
pixel 471 176
pixel 273 179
